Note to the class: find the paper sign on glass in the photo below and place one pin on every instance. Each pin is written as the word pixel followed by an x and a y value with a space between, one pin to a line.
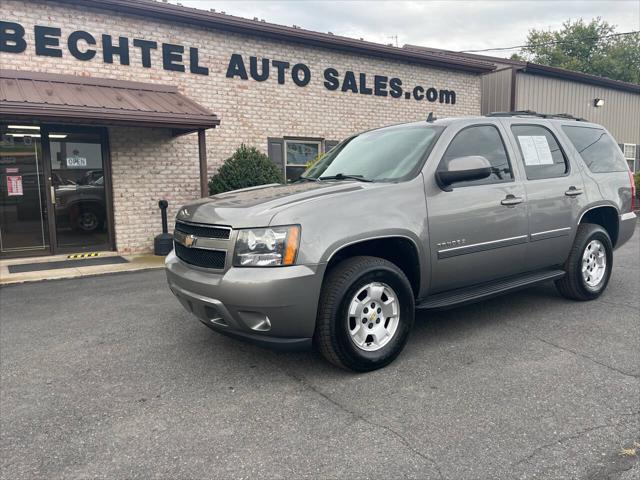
pixel 529 151
pixel 535 150
pixel 14 185
pixel 544 152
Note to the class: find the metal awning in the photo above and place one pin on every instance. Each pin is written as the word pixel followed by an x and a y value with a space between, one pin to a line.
pixel 47 97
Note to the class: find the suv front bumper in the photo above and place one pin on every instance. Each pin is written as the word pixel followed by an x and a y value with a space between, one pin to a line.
pixel 274 307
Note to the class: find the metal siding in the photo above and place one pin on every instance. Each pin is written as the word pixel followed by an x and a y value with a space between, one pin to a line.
pixel 620 113
pixel 496 91
pixel 74 97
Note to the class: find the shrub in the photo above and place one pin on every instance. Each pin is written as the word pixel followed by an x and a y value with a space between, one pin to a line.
pixel 247 167
pixel 636 178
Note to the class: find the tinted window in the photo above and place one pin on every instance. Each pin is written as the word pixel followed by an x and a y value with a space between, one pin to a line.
pixel 485 141
pixel 597 149
pixel 541 154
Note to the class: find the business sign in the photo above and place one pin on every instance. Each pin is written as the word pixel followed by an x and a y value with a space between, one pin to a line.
pixel 80 45
pixel 333 79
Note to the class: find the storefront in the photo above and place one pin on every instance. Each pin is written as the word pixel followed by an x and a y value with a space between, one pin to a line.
pixel 56 187
pixel 109 106
pixel 70 165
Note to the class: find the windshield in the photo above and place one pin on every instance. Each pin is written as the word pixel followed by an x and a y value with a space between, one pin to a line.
pixel 386 154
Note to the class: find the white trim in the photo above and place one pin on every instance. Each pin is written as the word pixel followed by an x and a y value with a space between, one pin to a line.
pixel 624 150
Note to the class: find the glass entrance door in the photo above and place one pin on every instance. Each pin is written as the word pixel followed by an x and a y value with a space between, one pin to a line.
pixel 78 181
pixel 23 211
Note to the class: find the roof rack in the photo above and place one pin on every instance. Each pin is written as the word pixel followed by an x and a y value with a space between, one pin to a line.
pixel 531 113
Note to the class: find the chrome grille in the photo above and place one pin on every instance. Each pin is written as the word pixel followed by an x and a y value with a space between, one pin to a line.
pixel 212 231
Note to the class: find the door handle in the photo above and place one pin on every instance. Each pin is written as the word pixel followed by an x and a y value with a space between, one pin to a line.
pixel 573 192
pixel 53 195
pixel 511 200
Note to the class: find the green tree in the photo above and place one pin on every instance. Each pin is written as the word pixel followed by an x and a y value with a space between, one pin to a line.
pixel 247 167
pixel 588 48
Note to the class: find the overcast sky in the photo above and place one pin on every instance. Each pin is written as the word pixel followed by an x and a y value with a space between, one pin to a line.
pixel 453 25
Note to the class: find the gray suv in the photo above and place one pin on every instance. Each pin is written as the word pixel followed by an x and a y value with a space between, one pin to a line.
pixel 424 215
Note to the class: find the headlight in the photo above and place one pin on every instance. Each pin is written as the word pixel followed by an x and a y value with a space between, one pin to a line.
pixel 267 247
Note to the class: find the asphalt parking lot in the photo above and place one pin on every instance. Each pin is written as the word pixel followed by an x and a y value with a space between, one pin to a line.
pixel 108 377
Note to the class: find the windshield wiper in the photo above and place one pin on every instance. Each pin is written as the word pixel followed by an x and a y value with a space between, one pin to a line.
pixel 342 176
pixel 306 179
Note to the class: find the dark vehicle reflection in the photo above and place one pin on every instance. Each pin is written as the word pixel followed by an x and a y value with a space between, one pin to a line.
pixel 80 204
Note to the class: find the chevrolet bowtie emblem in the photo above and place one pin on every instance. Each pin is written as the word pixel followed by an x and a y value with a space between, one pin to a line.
pixel 189 240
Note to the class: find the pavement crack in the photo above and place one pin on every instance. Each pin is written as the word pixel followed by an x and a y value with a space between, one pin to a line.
pixel 579 354
pixel 573 436
pixel 302 381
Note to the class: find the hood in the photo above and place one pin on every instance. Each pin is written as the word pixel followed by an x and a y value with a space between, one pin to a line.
pixel 256 206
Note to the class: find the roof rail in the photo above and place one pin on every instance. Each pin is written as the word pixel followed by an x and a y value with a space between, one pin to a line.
pixel 531 113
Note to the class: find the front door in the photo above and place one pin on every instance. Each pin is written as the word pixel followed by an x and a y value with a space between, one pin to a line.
pixel 77 177
pixel 478 231
pixel 24 226
pixel 54 190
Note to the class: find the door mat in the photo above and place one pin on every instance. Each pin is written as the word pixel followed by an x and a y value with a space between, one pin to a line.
pixel 84 262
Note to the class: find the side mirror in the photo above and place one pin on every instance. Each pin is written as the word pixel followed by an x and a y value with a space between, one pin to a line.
pixel 463 169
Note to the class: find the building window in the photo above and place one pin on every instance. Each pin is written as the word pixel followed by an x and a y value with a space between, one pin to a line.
pixel 298 155
pixel 630 155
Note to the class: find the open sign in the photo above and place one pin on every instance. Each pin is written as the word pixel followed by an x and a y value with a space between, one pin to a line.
pixel 76 161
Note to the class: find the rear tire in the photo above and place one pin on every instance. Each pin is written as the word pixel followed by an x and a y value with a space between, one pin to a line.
pixel 365 314
pixel 589 264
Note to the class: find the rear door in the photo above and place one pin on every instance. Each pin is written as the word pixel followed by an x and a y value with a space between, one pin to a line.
pixel 554 190
pixel 477 231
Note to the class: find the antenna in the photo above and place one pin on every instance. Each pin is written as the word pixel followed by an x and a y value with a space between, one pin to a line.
pixel 431 118
pixel 394 37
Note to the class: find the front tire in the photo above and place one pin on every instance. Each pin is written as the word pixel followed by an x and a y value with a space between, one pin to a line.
pixel 365 314
pixel 589 264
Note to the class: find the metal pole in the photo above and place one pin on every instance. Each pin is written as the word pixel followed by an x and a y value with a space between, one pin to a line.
pixel 202 153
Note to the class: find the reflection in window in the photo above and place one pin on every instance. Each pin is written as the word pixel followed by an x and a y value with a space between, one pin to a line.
pixel 299 154
pixel 77 176
pixel 486 142
pixel 597 149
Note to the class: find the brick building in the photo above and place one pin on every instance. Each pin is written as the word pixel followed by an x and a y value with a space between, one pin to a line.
pixel 109 106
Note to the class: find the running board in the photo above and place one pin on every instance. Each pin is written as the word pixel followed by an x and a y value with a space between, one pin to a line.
pixel 461 296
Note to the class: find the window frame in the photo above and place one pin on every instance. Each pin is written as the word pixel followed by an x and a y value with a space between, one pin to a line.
pixel 519 150
pixel 287 140
pixel 504 147
pixel 630 160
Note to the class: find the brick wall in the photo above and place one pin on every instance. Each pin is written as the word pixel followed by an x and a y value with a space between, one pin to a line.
pixel 148 164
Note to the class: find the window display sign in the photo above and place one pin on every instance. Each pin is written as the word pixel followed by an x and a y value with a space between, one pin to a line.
pixel 14 186
pixel 535 150
pixel 76 161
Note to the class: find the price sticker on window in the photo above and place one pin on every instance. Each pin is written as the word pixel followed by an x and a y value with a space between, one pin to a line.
pixel 535 150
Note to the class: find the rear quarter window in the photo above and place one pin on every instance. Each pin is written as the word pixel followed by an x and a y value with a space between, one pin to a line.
pixel 597 149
